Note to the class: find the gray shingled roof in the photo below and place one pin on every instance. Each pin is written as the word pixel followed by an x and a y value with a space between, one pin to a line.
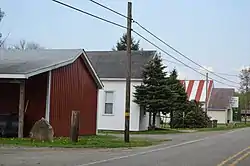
pixel 112 64
pixel 27 61
pixel 220 98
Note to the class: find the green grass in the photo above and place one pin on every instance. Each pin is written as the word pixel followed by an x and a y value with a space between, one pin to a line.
pixel 104 141
pixel 225 127
pixel 164 131
pixel 181 130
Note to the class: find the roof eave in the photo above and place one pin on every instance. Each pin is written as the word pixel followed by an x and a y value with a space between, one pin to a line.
pixel 120 79
pixel 50 68
pixel 13 76
pixel 217 109
pixel 92 70
pixel 40 70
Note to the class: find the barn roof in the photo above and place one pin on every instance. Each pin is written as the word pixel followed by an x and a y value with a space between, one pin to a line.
pixel 22 64
pixel 112 64
pixel 220 98
pixel 196 89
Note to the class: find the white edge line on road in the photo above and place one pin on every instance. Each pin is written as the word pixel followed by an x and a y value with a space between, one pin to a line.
pixel 154 150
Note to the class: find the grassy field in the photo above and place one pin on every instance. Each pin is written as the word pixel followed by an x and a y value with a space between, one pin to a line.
pixel 104 141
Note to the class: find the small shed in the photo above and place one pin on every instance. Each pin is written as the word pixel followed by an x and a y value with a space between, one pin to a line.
pixel 49 83
pixel 219 106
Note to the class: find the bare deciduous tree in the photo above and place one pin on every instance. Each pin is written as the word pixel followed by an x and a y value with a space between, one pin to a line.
pixel 245 80
pixel 23 45
pixel 1 17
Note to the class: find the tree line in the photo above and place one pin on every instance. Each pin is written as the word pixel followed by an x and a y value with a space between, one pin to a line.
pixel 22 45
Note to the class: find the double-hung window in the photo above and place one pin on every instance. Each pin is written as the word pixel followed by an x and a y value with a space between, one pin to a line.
pixel 109 103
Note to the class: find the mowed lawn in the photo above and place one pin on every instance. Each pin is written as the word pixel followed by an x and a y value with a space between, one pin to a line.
pixel 168 130
pixel 162 131
pixel 99 141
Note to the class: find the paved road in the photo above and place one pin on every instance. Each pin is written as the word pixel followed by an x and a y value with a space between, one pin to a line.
pixel 193 149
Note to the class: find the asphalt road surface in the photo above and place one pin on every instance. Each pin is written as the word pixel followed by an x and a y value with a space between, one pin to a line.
pixel 193 149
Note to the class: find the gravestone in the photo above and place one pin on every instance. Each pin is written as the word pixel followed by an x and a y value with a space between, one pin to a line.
pixel 42 131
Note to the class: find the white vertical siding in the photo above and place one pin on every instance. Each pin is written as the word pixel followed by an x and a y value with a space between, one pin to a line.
pixel 218 115
pixel 116 121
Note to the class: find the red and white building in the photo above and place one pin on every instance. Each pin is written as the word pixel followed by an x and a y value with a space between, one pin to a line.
pixel 196 89
pixel 218 99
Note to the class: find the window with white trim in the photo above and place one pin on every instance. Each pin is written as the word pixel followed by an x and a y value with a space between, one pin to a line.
pixel 109 103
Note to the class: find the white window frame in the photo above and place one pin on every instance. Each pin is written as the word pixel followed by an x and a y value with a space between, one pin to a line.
pixel 113 102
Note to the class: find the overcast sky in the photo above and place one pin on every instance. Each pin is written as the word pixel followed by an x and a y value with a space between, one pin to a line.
pixel 216 34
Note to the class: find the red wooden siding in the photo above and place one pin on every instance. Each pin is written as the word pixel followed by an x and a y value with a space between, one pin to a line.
pixel 9 97
pixel 36 91
pixel 73 88
pixel 190 87
pixel 199 90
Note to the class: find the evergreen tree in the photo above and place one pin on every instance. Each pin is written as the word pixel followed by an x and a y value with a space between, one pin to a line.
pixel 153 94
pixel 196 117
pixel 179 103
pixel 122 44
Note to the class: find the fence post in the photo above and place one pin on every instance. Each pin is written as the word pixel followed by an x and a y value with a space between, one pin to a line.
pixel 75 119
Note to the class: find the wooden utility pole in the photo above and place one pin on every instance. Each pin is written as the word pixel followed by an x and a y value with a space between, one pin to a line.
pixel 75 119
pixel 128 78
pixel 21 109
pixel 245 108
pixel 206 102
pixel 246 97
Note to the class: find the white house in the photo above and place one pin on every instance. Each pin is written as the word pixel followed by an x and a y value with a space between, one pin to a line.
pixel 111 68
pixel 219 106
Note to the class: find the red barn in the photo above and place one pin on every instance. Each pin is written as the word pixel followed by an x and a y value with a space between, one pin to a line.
pixel 49 83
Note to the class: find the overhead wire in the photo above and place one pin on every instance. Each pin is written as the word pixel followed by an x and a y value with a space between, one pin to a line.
pixel 180 60
pixel 185 55
pixel 226 74
pixel 95 16
pixel 136 22
pixel 121 26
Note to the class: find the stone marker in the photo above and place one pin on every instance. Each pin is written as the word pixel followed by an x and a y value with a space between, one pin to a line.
pixel 42 131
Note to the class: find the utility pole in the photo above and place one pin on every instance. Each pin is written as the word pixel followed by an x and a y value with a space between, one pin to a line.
pixel 246 97
pixel 245 108
pixel 128 78
pixel 206 102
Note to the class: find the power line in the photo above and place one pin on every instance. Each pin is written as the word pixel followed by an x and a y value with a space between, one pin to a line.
pixel 231 75
pixel 79 10
pixel 183 54
pixel 226 74
pixel 111 22
pixel 134 21
pixel 179 60
pixel 97 3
